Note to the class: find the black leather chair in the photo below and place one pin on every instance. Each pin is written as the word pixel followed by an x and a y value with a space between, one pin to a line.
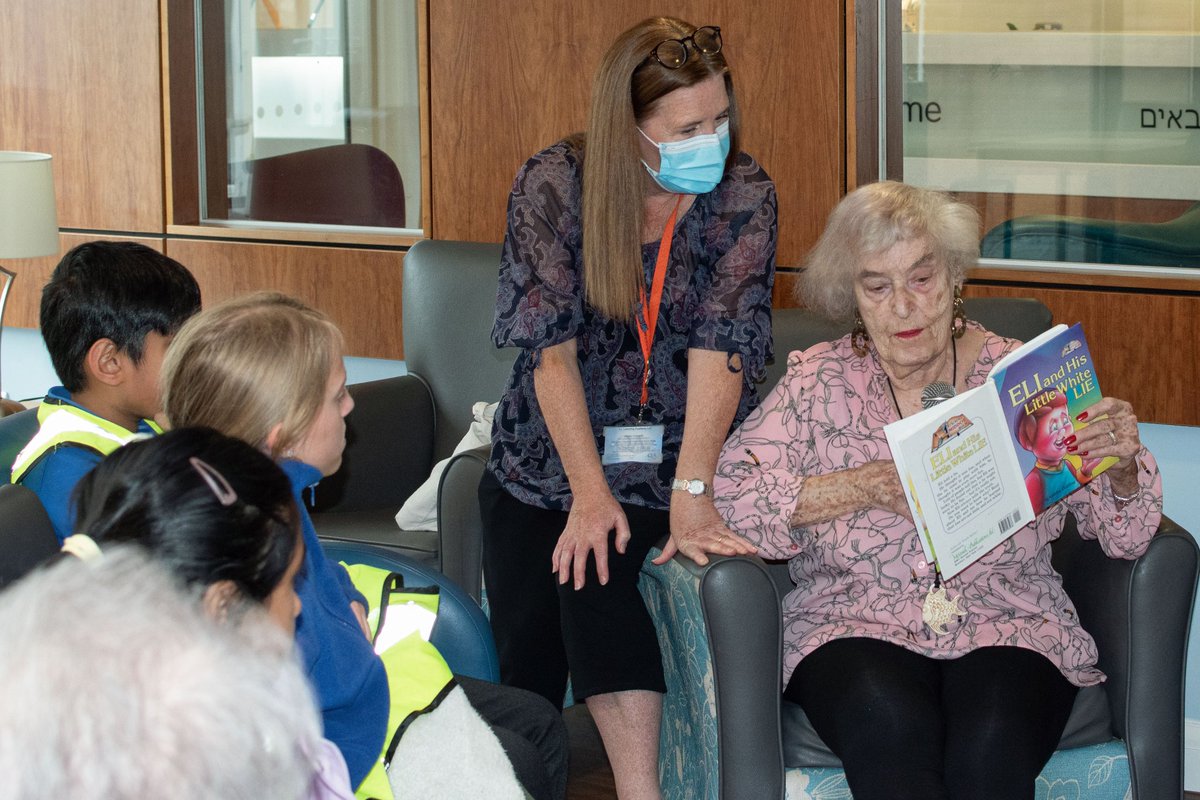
pixel 342 184
pixel 727 734
pixel 26 535
pixel 15 432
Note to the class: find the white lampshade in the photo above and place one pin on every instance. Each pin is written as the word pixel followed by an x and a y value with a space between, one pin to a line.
pixel 28 216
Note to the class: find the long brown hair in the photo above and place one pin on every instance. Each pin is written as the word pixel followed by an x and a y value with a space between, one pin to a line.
pixel 626 90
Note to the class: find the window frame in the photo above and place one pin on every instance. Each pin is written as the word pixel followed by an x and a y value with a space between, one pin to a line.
pixel 183 64
pixel 879 155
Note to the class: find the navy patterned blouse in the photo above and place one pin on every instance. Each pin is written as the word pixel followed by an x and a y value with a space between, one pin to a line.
pixel 717 296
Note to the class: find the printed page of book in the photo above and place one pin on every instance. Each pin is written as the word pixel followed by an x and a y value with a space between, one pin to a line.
pixel 1043 387
pixel 961 477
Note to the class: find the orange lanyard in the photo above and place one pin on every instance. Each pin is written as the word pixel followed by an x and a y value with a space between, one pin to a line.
pixel 649 320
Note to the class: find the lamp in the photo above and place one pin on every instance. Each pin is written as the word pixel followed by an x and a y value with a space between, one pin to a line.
pixel 28 217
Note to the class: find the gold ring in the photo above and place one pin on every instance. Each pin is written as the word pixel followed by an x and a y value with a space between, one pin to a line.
pixel 1112 436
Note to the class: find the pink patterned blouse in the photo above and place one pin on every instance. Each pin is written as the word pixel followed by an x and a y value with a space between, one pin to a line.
pixel 863 574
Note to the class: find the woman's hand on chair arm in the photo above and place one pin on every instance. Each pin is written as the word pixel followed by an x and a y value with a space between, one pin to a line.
pixel 713 395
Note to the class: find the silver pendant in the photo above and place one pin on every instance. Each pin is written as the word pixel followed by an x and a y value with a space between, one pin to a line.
pixel 938 610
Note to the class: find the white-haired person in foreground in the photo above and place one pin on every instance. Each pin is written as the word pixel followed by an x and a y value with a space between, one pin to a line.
pixel 115 684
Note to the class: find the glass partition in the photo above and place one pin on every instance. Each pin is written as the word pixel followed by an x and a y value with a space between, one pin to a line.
pixel 309 113
pixel 1073 125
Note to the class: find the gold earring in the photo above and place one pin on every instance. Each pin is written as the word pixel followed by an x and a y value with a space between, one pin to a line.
pixel 859 337
pixel 958 323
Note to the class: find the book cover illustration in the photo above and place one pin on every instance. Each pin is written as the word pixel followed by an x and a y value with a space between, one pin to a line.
pixel 1043 388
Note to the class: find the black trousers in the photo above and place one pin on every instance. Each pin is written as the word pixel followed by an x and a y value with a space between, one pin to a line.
pixel 906 726
pixel 530 730
pixel 602 635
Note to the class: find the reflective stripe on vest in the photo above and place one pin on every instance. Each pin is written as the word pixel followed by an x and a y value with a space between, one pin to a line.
pixel 64 424
pixel 418 677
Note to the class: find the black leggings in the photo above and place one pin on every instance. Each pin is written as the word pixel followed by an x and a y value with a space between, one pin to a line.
pixel 980 726
pixel 602 634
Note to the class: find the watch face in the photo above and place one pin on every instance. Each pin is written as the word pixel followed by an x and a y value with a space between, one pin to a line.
pixel 693 486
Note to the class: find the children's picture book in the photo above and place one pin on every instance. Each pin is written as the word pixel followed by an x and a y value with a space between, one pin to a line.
pixel 979 466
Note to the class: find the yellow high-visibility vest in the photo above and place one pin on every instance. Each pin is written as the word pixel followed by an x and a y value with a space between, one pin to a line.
pixel 418 677
pixel 64 424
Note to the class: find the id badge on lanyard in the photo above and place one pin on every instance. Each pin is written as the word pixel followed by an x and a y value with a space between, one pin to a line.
pixel 642 443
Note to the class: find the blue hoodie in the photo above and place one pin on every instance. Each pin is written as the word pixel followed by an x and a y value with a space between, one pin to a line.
pixel 348 678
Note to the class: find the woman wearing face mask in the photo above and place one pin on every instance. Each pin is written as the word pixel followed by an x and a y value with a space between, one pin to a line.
pixel 636 280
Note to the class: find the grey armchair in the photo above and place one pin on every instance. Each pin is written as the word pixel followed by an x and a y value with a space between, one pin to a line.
pixel 726 732
pixel 389 453
pixel 401 427
pixel 449 304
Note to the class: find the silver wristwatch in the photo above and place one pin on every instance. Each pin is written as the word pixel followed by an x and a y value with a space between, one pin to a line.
pixel 695 487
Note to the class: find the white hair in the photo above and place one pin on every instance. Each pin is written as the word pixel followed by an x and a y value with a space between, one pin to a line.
pixel 872 219
pixel 115 685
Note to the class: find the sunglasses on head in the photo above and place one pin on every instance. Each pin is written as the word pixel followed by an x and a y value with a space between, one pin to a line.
pixel 673 53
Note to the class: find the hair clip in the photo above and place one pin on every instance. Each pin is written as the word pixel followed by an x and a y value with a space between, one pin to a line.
pixel 224 493
pixel 82 547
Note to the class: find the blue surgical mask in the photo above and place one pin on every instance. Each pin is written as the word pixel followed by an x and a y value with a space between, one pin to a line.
pixel 693 165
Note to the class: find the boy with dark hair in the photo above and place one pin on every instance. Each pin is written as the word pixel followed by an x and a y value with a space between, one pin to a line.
pixel 107 316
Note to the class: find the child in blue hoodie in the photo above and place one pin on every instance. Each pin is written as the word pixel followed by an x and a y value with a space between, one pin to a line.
pixel 268 370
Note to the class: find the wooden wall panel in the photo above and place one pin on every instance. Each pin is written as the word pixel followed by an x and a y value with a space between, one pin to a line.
pixel 25 298
pixel 359 289
pixel 507 79
pixel 81 81
pixel 1145 345
pixel 786 283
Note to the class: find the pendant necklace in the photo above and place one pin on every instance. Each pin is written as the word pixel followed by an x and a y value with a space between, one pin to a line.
pixel 938 609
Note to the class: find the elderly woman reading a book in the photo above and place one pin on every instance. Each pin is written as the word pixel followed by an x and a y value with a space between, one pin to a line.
pixel 924 687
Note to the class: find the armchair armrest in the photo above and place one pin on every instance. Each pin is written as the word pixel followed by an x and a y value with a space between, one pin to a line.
pixel 1138 612
pixel 461 634
pixel 460 527
pixel 721 636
